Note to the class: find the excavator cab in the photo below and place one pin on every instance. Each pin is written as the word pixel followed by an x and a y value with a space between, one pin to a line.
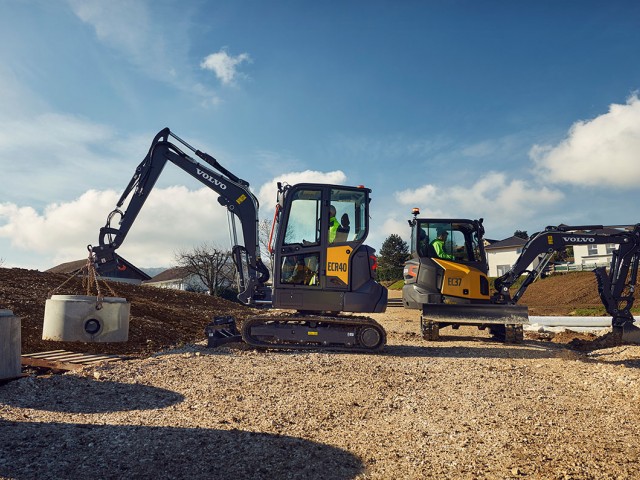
pixel 446 278
pixel 447 262
pixel 319 257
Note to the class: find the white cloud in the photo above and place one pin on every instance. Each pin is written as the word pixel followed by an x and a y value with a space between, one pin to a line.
pixel 426 197
pixel 134 29
pixel 224 66
pixel 55 157
pixel 506 202
pixel 125 26
pixel 56 134
pixel 267 193
pixel 598 152
pixel 171 219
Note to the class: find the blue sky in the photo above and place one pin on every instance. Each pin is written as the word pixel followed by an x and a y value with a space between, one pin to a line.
pixel 524 113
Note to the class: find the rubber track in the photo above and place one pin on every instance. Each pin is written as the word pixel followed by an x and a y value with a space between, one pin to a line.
pixel 303 319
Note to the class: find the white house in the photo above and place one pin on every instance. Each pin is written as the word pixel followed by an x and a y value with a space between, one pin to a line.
pixel 503 254
pixel 590 256
pixel 177 278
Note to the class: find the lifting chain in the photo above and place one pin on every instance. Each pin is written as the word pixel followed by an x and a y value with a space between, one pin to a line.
pixel 90 278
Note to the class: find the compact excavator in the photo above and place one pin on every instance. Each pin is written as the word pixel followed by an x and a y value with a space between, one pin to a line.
pixel 451 286
pixel 321 266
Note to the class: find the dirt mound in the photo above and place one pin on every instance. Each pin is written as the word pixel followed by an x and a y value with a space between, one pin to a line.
pixel 160 318
pixel 562 294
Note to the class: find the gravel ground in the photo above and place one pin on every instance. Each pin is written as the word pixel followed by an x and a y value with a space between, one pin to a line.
pixel 466 407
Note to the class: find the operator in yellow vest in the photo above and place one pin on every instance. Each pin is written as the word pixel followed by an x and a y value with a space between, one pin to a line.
pixel 438 244
pixel 334 224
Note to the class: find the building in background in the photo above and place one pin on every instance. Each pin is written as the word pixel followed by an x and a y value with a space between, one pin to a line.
pixel 129 273
pixel 503 254
pixel 177 278
pixel 590 256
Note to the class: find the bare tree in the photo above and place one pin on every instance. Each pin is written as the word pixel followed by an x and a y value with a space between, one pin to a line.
pixel 210 264
pixel 264 230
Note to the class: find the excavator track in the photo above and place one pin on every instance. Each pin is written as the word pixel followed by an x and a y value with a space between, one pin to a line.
pixel 314 332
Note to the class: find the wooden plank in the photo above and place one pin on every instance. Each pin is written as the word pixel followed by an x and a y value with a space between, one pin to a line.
pixel 395 302
pixel 96 359
pixel 63 356
pixel 42 354
pixel 39 362
pixel 64 360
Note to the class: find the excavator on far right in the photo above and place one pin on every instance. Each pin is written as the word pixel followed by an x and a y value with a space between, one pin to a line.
pixel 447 275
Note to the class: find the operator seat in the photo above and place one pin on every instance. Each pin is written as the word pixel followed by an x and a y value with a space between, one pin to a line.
pixel 343 230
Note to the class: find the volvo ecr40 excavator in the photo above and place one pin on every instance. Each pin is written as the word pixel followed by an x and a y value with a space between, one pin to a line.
pixel 447 274
pixel 321 265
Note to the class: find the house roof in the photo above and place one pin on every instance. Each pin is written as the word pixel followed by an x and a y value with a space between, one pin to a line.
pixel 174 273
pixel 68 267
pixel 507 243
pixel 131 271
pixel 606 230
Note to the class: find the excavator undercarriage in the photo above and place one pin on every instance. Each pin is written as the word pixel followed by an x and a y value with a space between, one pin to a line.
pixel 299 331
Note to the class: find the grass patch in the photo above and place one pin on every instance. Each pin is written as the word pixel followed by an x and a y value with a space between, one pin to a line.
pixel 397 285
pixel 589 312
pixel 598 312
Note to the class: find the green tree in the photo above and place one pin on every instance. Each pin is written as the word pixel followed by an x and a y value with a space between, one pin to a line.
pixel 393 254
pixel 521 234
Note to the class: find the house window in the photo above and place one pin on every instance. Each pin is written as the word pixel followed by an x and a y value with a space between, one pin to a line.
pixel 592 249
pixel 502 269
pixel 610 248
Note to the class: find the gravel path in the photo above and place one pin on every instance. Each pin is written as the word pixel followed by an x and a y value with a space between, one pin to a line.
pixel 466 407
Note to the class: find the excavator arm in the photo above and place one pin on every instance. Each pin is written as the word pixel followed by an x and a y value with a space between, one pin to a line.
pixel 615 287
pixel 234 195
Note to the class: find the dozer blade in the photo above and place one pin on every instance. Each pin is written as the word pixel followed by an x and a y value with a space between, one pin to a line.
pixel 476 314
pixel 630 333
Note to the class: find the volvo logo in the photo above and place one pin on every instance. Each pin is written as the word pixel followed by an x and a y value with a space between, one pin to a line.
pixel 579 239
pixel 211 179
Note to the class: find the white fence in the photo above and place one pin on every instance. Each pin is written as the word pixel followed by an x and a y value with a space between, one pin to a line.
pixel 572 267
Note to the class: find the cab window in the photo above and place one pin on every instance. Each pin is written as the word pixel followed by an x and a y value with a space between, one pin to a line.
pixel 458 241
pixel 350 215
pixel 303 225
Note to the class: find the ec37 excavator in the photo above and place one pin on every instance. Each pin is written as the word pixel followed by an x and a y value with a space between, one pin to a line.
pixel 451 286
pixel 321 266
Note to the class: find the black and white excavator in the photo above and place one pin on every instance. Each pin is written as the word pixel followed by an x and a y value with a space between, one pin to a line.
pixel 447 275
pixel 321 266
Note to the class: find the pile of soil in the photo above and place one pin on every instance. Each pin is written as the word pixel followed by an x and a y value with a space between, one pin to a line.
pixel 160 318
pixel 562 294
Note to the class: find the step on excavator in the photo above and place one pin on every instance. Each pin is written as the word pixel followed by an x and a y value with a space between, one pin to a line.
pixel 322 270
pixel 447 275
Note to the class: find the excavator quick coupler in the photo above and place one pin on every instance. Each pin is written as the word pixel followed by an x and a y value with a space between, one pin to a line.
pixel 222 330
